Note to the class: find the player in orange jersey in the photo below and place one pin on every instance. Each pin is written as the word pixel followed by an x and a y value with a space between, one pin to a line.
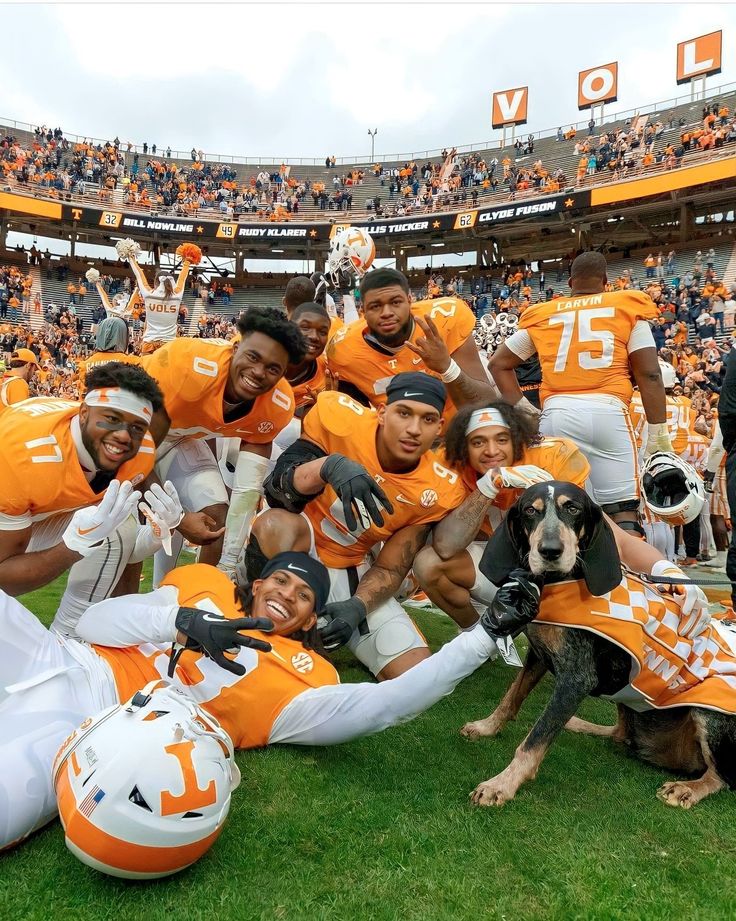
pixel 589 346
pixel 378 463
pixel 498 452
pixel 59 457
pixel 279 689
pixel 235 390
pixel 434 336
pixel 14 384
pixel 308 378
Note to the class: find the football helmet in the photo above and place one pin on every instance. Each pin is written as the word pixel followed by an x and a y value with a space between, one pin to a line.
pixel 669 376
pixel 351 252
pixel 143 788
pixel 673 491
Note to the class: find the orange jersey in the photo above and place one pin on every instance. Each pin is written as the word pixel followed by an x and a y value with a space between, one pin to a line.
pixel 39 468
pixel 98 359
pixel 193 373
pixel 247 706
pixel 668 670
pixel 695 451
pixel 560 457
pixel 582 342
pixel 12 390
pixel 681 418
pixel 357 362
pixel 340 425
pixel 316 384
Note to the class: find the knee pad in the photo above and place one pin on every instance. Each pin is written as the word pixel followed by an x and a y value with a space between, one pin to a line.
pixel 393 638
pixel 632 526
pixel 628 505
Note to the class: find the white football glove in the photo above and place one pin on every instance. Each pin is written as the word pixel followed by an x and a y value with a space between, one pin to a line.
pixel 694 613
pixel 90 526
pixel 498 478
pixel 658 439
pixel 163 512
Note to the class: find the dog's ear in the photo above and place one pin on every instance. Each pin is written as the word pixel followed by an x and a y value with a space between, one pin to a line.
pixel 506 549
pixel 599 557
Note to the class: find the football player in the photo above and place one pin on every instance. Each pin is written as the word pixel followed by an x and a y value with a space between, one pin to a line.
pixel 278 689
pixel 376 463
pixel 394 335
pixel 589 346
pixel 216 388
pixel 14 385
pixel 59 460
pixel 497 451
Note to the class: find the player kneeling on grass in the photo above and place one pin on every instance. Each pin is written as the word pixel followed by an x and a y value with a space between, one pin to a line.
pixel 249 657
pixel 359 478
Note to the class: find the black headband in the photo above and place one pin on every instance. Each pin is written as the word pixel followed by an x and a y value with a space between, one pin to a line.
pixel 415 385
pixel 311 571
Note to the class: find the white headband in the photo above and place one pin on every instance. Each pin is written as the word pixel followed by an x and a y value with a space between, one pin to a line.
pixel 123 400
pixel 483 417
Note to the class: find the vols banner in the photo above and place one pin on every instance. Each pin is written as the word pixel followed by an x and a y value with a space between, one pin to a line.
pixel 699 57
pixel 598 85
pixel 510 107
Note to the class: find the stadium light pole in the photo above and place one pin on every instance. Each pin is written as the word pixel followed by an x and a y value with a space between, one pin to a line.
pixel 373 141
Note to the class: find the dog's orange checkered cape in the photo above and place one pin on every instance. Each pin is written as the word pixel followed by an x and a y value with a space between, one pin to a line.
pixel 667 670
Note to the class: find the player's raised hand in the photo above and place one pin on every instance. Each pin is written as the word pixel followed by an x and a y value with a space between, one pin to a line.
pixel 430 347
pixel 90 526
pixel 353 485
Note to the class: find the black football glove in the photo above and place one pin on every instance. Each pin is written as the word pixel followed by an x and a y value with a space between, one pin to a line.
pixel 353 484
pixel 214 635
pixel 344 619
pixel 515 604
pixel 708 478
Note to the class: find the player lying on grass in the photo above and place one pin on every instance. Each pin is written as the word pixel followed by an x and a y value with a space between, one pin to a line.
pixel 278 688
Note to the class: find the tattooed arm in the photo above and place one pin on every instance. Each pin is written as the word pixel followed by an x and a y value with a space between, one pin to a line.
pixel 459 528
pixel 384 578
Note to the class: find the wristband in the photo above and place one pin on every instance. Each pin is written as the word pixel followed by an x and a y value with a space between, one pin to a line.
pixel 452 373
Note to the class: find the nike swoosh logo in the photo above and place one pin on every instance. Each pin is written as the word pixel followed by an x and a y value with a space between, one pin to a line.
pixel 295 568
pixel 413 394
pixel 415 361
pixel 213 618
pixel 400 498
pixel 83 531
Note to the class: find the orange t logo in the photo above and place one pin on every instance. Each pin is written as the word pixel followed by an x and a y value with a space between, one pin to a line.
pixel 193 797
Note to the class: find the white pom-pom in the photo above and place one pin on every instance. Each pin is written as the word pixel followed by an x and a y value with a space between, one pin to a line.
pixel 127 249
pixel 92 276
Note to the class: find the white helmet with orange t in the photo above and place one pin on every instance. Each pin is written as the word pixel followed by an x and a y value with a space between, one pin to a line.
pixel 351 252
pixel 673 491
pixel 144 787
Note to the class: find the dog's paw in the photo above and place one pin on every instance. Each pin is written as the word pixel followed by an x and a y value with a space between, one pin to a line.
pixel 480 729
pixel 491 793
pixel 677 793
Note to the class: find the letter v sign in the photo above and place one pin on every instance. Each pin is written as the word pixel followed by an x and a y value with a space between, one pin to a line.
pixel 510 107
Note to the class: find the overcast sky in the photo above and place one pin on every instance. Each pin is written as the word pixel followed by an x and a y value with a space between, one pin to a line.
pixel 309 79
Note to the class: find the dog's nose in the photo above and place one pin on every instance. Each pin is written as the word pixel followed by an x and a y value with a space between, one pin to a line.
pixel 550 549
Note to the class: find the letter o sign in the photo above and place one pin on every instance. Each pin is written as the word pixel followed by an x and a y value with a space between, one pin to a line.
pixel 597 85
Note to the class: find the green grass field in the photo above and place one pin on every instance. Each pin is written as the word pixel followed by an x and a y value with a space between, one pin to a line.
pixel 382 829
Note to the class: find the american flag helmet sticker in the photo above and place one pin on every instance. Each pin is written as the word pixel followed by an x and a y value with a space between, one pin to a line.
pixel 91 800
